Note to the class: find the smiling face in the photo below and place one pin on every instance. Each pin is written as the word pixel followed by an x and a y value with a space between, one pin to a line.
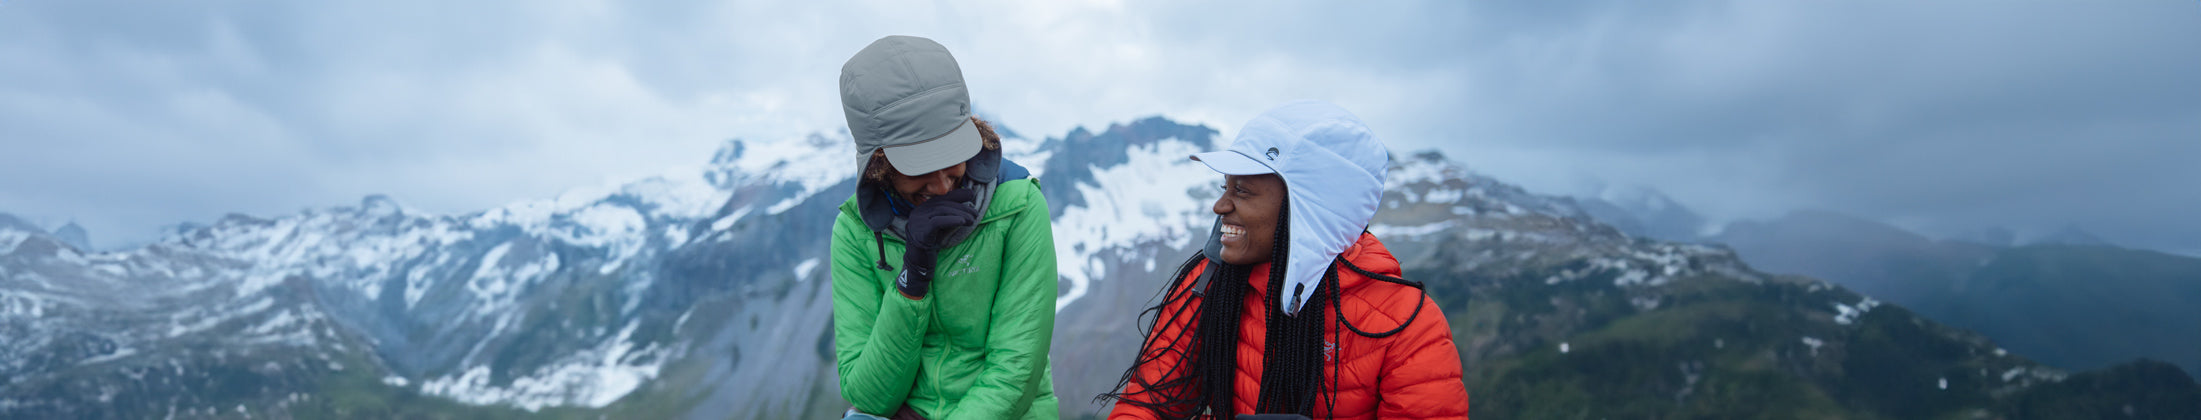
pixel 1250 207
pixel 919 188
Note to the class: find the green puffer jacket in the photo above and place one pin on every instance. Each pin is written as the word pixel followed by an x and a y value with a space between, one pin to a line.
pixel 976 346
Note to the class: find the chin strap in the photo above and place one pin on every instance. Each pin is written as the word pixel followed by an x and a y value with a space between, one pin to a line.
pixel 1387 279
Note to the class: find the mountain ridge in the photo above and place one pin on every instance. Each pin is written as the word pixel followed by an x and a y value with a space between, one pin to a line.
pixel 701 292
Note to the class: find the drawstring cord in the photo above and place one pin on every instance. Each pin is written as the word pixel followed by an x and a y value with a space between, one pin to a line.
pixel 880 238
pixel 1388 279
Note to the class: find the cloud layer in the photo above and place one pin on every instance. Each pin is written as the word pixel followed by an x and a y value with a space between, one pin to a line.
pixel 1944 116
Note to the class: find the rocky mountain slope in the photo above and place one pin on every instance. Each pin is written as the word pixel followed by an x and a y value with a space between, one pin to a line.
pixel 2072 304
pixel 703 293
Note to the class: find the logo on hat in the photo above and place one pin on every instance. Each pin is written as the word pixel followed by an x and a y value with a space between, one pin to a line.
pixel 1272 153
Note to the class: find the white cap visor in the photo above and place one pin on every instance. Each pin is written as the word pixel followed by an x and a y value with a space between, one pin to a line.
pixel 937 153
pixel 1233 163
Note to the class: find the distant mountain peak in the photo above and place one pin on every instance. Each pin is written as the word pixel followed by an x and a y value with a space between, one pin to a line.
pixel 74 235
pixel 10 222
pixel 1642 211
pixel 2070 235
pixel 1995 236
pixel 697 292
pixel 380 205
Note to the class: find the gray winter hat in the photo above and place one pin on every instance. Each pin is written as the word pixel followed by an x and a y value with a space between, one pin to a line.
pixel 905 94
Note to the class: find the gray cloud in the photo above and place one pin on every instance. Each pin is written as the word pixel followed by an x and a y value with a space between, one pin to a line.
pixel 1941 116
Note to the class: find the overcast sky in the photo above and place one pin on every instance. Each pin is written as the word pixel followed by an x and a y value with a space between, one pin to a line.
pixel 1939 116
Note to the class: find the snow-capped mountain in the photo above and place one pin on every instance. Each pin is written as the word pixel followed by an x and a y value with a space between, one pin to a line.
pixel 704 292
pixel 572 301
pixel 1645 212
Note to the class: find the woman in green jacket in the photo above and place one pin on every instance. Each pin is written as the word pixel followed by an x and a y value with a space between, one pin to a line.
pixel 936 205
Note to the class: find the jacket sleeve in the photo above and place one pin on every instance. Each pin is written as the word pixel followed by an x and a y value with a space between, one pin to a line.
pixel 876 333
pixel 1421 373
pixel 1161 343
pixel 1021 322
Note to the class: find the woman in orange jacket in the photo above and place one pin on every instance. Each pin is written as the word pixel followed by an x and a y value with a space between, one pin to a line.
pixel 1295 313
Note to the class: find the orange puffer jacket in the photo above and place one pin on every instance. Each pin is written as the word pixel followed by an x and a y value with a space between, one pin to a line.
pixel 1414 374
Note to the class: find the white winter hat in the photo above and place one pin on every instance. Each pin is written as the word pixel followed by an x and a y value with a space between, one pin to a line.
pixel 1333 169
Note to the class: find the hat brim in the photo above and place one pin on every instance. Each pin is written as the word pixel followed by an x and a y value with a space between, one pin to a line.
pixel 937 153
pixel 1230 162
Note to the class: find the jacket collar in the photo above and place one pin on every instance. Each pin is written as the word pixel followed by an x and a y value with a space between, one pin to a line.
pixel 1366 253
pixel 987 170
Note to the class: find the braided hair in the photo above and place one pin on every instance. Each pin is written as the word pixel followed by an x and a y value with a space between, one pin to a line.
pixel 1200 383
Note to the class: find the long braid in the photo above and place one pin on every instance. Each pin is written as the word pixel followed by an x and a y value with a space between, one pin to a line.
pixel 1200 383
pixel 1290 353
pixel 1292 365
pixel 1331 286
pixel 1279 357
pixel 1337 294
pixel 1174 395
pixel 1217 339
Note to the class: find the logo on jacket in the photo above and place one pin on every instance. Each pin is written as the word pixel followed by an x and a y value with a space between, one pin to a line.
pixel 960 267
pixel 1329 351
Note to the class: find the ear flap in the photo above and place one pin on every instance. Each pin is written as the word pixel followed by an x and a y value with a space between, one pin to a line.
pixel 1214 248
pixel 1213 251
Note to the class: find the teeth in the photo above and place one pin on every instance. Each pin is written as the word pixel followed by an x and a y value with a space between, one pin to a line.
pixel 1233 230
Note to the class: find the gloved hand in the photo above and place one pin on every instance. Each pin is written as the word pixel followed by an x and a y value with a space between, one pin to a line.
pixel 929 226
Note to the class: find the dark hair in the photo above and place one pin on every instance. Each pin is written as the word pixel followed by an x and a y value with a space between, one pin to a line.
pixel 876 169
pixel 1201 383
pixel 1292 373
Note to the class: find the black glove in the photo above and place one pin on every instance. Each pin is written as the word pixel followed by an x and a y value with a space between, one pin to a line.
pixel 929 227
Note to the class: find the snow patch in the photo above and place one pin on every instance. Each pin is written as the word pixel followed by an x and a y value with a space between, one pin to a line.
pixel 1443 195
pixel 593 378
pixel 680 193
pixel 603 224
pixel 498 281
pixel 117 354
pixel 1391 231
pixel 809 164
pixel 1631 277
pixel 676 236
pixel 9 239
pixel 683 319
pixel 204 320
pixel 272 324
pixel 22 304
pixel 1644 303
pixel 416 285
pixel 726 222
pixel 802 271
pixel 1162 209
pixel 785 205
pixel 1847 315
